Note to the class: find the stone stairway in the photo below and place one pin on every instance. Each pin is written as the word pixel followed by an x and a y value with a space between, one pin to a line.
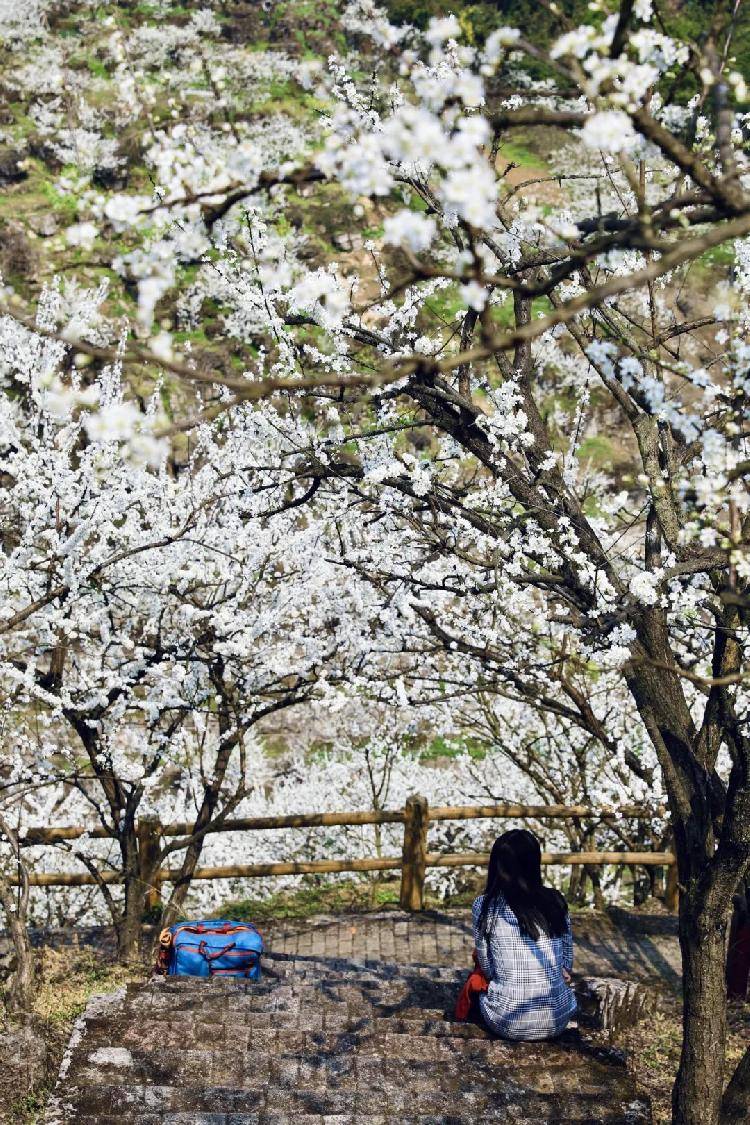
pixel 330 1042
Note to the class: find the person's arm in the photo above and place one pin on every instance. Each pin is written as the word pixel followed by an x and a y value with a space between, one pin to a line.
pixel 567 958
pixel 480 943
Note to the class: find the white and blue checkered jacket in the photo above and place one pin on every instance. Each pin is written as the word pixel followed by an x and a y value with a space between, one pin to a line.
pixel 527 996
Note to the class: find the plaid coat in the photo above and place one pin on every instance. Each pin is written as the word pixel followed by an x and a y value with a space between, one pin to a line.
pixel 527 997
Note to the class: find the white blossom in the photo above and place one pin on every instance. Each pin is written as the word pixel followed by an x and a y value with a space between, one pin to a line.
pixel 410 228
pixel 609 131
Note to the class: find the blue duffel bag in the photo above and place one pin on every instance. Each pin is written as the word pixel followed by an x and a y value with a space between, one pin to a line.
pixel 213 948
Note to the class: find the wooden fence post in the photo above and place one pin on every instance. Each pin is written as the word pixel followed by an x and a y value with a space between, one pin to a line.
pixel 414 855
pixel 672 890
pixel 149 833
pixel 672 882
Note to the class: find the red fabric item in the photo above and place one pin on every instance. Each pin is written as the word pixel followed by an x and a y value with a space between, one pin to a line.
pixel 475 982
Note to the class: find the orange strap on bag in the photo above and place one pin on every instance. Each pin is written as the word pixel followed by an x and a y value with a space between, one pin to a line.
pixel 161 968
pixel 475 982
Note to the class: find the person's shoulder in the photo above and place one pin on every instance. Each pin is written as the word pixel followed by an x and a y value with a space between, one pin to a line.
pixel 498 907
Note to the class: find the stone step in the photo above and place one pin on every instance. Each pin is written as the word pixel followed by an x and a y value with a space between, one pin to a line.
pixel 288 1055
pixel 315 1027
pixel 419 1022
pixel 301 968
pixel 341 966
pixel 606 1003
pixel 200 1029
pixel 309 976
pixel 633 1117
pixel 249 994
pixel 348 1047
pixel 293 1011
pixel 423 1099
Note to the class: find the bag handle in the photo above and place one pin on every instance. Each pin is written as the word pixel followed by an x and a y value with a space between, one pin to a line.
pixel 227 928
pixel 217 953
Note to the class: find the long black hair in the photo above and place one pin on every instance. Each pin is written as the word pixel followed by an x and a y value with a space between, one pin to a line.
pixel 515 872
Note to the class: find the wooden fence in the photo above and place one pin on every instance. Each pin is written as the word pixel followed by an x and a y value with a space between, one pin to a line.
pixel 416 817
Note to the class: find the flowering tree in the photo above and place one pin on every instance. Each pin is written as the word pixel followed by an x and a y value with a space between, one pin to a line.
pixel 156 613
pixel 552 563
pixel 498 513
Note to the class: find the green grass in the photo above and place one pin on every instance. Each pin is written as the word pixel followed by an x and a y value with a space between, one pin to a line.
pixel 66 983
pixel 196 336
pixel 28 1109
pixel 339 898
pixel 445 304
pixel 332 898
pixel 503 314
pixel 97 68
pixel 598 450
pixel 711 266
pixel 723 255
pixel 64 205
pixel 515 152
pixel 451 748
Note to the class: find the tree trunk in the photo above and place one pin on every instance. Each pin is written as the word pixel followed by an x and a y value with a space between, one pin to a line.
pixel 211 792
pixel 574 885
pixel 149 855
pixel 600 903
pixel 20 992
pixel 129 928
pixel 181 884
pixel 591 873
pixel 640 892
pixel 707 880
pixel 735 1105
pixel 697 1094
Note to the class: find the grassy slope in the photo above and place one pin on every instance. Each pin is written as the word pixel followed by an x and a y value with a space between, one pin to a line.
pixel 67 980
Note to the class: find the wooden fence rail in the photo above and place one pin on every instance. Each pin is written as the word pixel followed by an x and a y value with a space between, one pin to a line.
pixel 39 835
pixel 413 862
pixel 328 866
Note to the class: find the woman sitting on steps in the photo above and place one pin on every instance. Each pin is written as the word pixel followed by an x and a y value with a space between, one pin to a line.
pixel 524 946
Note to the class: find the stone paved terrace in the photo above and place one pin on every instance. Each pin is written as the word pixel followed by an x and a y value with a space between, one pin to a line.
pixel 620 943
pixel 358 1028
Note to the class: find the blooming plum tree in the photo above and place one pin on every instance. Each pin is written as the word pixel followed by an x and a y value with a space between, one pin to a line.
pixel 157 612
